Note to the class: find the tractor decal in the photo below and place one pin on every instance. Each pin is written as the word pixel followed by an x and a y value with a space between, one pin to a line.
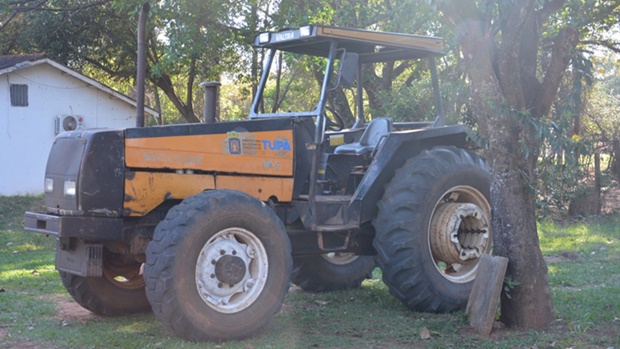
pixel 280 145
pixel 240 142
pixel 234 143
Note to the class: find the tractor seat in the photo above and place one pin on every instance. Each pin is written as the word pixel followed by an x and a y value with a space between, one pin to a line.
pixel 373 133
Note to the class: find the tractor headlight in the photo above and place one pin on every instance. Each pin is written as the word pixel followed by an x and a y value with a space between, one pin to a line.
pixel 304 31
pixel 49 185
pixel 69 188
pixel 263 38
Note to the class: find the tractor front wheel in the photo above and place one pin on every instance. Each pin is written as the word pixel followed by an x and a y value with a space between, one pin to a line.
pixel 218 266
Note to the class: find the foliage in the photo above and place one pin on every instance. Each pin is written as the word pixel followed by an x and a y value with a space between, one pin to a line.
pixel 601 122
pixel 292 84
pixel 561 165
pixel 193 41
pixel 388 86
pixel 583 123
pixel 235 100
pixel 509 284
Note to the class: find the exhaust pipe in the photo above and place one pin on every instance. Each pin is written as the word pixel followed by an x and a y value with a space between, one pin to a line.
pixel 210 112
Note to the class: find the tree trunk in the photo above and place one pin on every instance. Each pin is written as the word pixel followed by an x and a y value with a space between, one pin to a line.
pixel 529 303
pixel 616 163
pixel 254 68
pixel 159 119
pixel 499 105
pixel 165 84
pixel 372 86
pixel 339 101
pixel 515 236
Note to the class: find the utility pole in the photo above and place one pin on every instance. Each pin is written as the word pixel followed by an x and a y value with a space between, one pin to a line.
pixel 141 64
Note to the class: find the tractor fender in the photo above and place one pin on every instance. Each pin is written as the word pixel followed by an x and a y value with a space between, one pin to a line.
pixel 390 155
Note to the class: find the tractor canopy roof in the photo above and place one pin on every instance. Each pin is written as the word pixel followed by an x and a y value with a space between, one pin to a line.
pixel 371 46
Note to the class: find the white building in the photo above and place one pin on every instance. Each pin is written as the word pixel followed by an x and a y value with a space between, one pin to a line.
pixel 40 98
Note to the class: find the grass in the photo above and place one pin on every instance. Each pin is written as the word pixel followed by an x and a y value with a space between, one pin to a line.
pixel 583 260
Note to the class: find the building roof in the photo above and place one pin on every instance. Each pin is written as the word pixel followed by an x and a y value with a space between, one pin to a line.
pixel 14 60
pixel 11 63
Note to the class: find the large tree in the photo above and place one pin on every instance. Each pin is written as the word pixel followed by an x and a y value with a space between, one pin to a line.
pixel 515 54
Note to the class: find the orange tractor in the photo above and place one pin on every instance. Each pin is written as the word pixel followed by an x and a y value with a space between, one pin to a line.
pixel 207 224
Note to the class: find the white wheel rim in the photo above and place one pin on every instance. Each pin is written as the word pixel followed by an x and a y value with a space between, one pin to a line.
pixel 231 270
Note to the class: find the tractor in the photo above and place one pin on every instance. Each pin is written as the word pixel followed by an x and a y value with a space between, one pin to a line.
pixel 207 224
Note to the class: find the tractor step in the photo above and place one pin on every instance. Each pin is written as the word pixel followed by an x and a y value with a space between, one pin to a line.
pixel 331 212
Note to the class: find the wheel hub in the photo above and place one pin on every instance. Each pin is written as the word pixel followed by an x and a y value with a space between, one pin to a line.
pixel 459 232
pixel 230 269
pixel 339 258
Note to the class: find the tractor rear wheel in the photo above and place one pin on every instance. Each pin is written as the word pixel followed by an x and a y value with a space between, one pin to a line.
pixel 119 291
pixel 218 266
pixel 331 271
pixel 434 222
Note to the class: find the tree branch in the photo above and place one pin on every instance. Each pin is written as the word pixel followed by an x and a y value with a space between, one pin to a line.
pixel 38 6
pixel 190 84
pixel 564 44
pixel 17 11
pixel 17 8
pixel 112 73
pixel 608 44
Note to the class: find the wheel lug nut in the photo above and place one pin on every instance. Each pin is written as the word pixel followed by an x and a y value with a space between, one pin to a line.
pixel 212 276
pixel 222 252
pixel 219 285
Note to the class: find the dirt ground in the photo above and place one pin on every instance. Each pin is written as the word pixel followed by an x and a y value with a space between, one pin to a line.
pixel 69 311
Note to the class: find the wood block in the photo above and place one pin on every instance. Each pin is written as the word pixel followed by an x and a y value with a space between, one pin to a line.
pixel 484 297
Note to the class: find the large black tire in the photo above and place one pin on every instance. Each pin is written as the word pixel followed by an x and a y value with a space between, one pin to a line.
pixel 218 266
pixel 331 271
pixel 434 222
pixel 120 291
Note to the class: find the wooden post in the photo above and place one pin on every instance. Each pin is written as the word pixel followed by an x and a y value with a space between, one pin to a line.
pixel 484 297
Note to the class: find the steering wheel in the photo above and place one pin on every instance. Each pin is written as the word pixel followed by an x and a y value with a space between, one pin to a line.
pixel 337 123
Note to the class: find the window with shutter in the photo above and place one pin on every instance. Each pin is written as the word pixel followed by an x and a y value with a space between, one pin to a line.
pixel 19 95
